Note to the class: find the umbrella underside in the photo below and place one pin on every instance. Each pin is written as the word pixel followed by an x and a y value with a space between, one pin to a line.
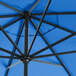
pixel 34 34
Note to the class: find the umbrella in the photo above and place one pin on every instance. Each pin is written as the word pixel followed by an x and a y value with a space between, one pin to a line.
pixel 37 38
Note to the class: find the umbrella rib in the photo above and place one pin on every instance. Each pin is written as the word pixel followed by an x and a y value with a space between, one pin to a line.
pixel 51 48
pixel 15 49
pixel 9 57
pixel 15 9
pixel 13 64
pixel 60 27
pixel 14 15
pixel 10 40
pixel 5 26
pixel 49 55
pixel 39 25
pixel 56 13
pixel 46 62
pixel 7 51
pixel 34 6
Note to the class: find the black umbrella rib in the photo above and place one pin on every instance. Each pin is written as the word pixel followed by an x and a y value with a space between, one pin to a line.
pixel 7 51
pixel 5 26
pixel 49 55
pixel 39 25
pixel 10 40
pixel 65 38
pixel 9 57
pixel 13 8
pixel 60 27
pixel 7 16
pixel 51 48
pixel 14 49
pixel 56 13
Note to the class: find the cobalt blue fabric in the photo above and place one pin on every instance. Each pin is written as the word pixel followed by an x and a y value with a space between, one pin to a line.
pixel 51 33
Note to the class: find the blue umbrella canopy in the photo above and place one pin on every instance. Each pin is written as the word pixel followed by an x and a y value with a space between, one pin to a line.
pixel 37 38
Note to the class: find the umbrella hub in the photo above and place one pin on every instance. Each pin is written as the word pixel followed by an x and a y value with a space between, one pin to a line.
pixel 27 59
pixel 26 14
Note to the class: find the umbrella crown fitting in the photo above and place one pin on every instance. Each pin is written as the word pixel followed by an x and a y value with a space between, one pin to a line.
pixel 27 59
pixel 26 14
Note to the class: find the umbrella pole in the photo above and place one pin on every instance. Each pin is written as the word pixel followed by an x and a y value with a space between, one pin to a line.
pixel 26 47
pixel 25 68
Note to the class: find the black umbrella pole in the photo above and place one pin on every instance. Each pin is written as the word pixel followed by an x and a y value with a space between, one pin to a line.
pixel 25 68
pixel 26 47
